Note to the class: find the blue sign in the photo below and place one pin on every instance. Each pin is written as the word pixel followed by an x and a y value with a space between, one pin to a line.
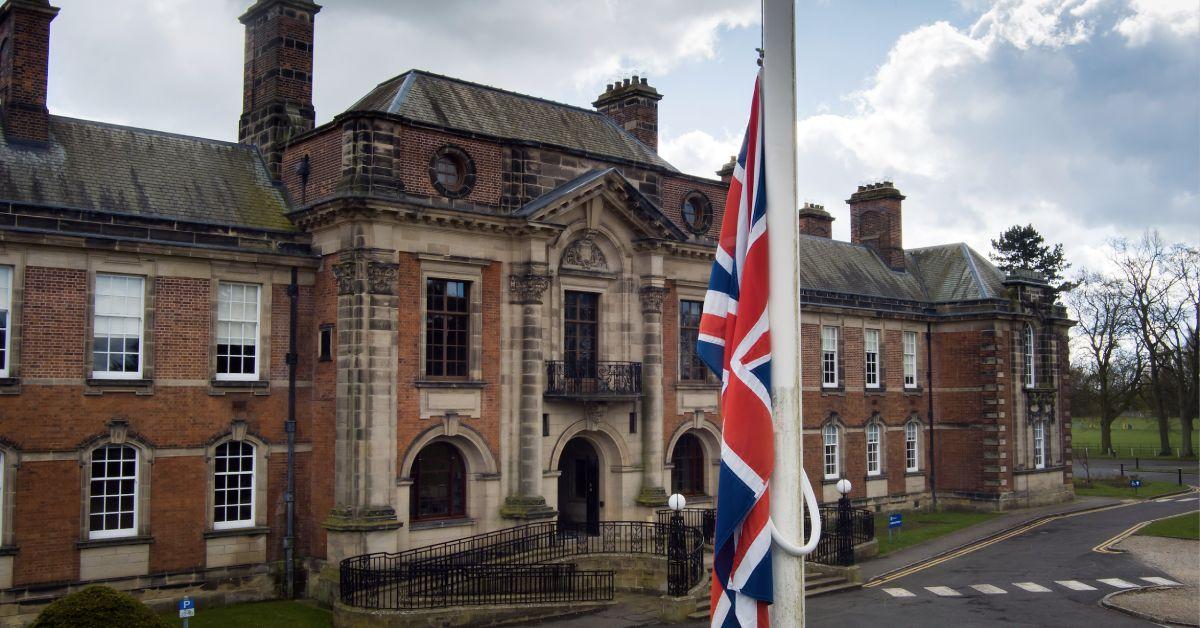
pixel 895 520
pixel 1135 483
pixel 187 607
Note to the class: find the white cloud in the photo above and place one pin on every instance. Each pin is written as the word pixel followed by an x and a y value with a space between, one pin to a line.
pixel 696 152
pixel 1034 114
pixel 1156 18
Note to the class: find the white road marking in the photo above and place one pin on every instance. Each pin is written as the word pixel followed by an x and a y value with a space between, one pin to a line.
pixel 943 591
pixel 1076 585
pixel 1188 499
pixel 1160 580
pixel 899 593
pixel 1032 587
pixel 1118 583
pixel 988 589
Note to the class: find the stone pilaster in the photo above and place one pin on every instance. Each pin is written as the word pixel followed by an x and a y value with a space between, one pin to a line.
pixel 653 492
pixel 528 503
pixel 363 519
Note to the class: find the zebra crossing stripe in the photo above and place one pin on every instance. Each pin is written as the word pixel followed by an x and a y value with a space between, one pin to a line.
pixel 988 589
pixel 1032 587
pixel 900 593
pixel 943 591
pixel 1118 583
pixel 1159 580
pixel 1075 585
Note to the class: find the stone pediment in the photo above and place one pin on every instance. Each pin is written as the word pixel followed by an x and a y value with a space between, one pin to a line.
pixel 620 196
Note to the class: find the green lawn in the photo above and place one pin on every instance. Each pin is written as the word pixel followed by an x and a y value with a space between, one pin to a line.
pixel 1185 526
pixel 258 615
pixel 1119 487
pixel 1139 433
pixel 920 526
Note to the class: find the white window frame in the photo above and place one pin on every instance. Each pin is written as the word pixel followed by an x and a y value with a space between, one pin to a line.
pixel 912 447
pixel 116 532
pixel 874 460
pixel 831 437
pixel 229 319
pixel 871 358
pixel 6 325
pixel 1039 444
pixel 829 356
pixel 141 326
pixel 253 472
pixel 910 359
pixel 1030 372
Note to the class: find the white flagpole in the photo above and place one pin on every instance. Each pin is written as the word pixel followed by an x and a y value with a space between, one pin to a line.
pixel 779 119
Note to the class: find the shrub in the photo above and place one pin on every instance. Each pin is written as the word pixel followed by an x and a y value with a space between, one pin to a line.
pixel 98 607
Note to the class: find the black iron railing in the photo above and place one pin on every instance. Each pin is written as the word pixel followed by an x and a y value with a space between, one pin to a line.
pixel 841 529
pixel 504 567
pixel 704 519
pixel 593 379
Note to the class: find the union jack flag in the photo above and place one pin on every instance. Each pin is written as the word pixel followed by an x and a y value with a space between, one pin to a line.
pixel 735 342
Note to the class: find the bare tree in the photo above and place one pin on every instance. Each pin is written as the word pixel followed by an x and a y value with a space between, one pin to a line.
pixel 1183 345
pixel 1150 289
pixel 1111 355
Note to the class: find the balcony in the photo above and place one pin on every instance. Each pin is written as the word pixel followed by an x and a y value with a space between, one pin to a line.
pixel 593 380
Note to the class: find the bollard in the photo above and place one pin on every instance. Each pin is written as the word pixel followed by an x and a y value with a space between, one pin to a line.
pixel 1137 464
pixel 1122 469
pixel 1180 481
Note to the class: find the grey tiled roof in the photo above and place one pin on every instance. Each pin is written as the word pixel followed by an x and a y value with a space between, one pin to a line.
pixel 937 274
pixel 460 105
pixel 105 167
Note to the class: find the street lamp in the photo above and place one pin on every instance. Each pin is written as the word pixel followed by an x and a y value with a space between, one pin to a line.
pixel 845 524
pixel 676 583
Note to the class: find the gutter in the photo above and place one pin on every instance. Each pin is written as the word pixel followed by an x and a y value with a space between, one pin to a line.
pixel 929 397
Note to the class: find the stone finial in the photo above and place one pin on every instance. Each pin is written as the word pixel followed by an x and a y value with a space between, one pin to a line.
pixel 652 299
pixel 527 288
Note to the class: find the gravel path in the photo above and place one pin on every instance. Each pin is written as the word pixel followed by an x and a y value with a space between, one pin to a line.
pixel 1180 560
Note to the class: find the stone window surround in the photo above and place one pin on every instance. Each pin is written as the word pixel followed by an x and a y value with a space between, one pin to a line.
pixel 264 279
pixel 883 430
pixel 603 288
pixel 884 325
pixel 147 269
pixel 261 459
pixel 917 445
pixel 145 463
pixel 16 261
pixel 839 380
pixel 470 271
pixel 879 359
pixel 689 291
pixel 463 160
pixel 10 459
pixel 710 443
pixel 835 421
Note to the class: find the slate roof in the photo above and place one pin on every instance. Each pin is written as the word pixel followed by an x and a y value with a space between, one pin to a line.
pixel 451 103
pixel 106 167
pixel 937 274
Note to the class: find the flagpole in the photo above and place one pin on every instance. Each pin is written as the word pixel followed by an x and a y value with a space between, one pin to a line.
pixel 779 120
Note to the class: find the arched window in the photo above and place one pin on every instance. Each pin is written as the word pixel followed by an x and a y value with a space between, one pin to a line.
pixel 1030 375
pixel 831 436
pixel 233 485
pixel 873 457
pixel 439 483
pixel 1039 444
pixel 912 447
pixel 687 476
pixel 113 492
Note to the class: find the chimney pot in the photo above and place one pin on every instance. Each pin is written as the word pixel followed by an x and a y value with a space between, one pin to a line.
pixel 638 116
pixel 876 221
pixel 23 86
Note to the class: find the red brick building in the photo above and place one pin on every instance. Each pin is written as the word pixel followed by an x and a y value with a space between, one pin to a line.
pixel 450 309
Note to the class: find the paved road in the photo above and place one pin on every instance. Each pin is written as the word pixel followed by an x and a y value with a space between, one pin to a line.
pixel 1047 576
pixel 1156 470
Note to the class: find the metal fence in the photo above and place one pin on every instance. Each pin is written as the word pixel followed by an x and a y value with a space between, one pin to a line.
pixel 841 529
pixel 503 567
pixel 704 519
pixel 593 379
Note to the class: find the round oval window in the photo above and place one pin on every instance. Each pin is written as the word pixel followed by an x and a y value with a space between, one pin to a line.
pixel 697 213
pixel 449 172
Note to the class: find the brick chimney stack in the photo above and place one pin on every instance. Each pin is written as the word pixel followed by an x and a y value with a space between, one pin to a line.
pixel 815 221
pixel 24 57
pixel 277 89
pixel 875 221
pixel 726 171
pixel 633 105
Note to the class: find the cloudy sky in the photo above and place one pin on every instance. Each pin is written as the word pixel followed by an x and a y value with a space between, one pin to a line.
pixel 1080 116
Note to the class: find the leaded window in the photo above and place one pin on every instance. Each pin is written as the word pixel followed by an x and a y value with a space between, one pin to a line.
pixel 580 329
pixel 233 485
pixel 447 327
pixel 690 366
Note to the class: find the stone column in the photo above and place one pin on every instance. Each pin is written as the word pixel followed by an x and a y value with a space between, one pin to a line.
pixel 653 492
pixel 363 519
pixel 528 503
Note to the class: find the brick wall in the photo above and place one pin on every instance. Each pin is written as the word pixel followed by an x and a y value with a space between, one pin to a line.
pixel 52 339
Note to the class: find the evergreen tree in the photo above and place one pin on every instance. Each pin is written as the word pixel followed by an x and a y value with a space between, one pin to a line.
pixel 1024 247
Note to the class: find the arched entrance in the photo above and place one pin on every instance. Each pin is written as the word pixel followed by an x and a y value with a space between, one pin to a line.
pixel 579 486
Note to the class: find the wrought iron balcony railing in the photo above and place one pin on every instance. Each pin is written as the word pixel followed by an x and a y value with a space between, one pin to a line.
pixel 593 380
